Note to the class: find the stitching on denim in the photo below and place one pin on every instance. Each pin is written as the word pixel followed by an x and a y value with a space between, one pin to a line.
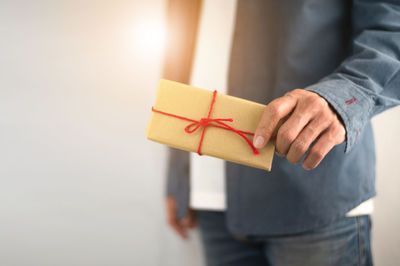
pixel 359 90
pixel 350 101
pixel 351 138
pixel 360 245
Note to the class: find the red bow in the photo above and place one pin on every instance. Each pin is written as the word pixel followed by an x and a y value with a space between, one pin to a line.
pixel 207 121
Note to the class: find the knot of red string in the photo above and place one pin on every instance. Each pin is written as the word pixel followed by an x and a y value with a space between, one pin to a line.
pixel 207 121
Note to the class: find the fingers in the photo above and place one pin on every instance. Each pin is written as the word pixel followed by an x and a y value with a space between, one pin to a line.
pixel 309 107
pixel 273 113
pixel 172 219
pixel 333 136
pixel 290 129
pixel 309 116
pixel 179 226
pixel 303 141
pixel 190 220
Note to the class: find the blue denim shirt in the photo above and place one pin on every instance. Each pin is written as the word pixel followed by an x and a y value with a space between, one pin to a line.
pixel 346 51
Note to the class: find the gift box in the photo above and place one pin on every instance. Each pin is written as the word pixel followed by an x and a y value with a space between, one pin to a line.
pixel 208 123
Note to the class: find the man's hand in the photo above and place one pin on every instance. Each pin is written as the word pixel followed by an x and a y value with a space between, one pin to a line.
pixel 309 118
pixel 179 226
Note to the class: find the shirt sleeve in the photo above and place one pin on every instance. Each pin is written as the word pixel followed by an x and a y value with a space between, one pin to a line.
pixel 368 81
pixel 177 172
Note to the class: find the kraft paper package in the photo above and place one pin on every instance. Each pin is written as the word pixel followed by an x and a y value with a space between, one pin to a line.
pixel 208 123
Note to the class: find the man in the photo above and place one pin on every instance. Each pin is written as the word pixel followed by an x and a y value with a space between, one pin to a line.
pixel 345 57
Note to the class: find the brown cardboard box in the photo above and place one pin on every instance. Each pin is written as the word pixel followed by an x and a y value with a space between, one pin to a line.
pixel 194 103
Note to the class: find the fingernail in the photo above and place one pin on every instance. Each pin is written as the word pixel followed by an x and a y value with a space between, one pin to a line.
pixel 259 142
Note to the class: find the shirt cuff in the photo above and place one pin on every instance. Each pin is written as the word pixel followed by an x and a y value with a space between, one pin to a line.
pixel 349 101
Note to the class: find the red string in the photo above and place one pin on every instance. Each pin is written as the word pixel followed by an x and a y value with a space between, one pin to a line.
pixel 207 121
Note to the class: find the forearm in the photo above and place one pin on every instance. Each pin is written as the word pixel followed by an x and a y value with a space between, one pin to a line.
pixel 368 81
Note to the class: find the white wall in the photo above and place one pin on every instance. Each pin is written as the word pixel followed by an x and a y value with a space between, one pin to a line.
pixel 79 184
pixel 386 218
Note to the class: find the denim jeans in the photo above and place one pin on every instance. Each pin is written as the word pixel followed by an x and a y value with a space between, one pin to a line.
pixel 343 243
